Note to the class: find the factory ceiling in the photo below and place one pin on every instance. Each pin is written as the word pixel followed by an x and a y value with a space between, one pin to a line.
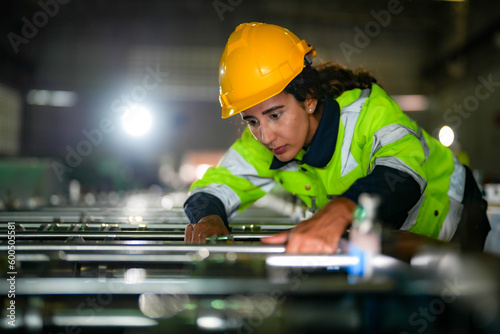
pixel 446 29
pixel 100 48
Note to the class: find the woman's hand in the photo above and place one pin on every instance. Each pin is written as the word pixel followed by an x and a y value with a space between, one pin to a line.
pixel 321 233
pixel 206 227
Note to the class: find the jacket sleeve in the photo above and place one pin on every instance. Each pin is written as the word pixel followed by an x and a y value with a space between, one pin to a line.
pixel 202 204
pixel 393 153
pixel 397 190
pixel 242 177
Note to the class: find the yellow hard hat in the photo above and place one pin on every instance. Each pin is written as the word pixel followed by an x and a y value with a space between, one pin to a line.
pixel 258 62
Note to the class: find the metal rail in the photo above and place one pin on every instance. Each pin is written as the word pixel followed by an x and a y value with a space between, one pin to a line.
pixel 163 247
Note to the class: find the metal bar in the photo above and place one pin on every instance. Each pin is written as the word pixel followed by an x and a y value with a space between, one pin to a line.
pixel 123 235
pixel 148 248
pixel 312 261
pixel 205 286
pixel 128 258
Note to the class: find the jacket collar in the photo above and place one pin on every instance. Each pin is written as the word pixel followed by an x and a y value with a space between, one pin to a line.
pixel 322 147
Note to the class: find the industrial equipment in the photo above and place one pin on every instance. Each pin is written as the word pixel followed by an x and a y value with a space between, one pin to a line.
pixel 116 269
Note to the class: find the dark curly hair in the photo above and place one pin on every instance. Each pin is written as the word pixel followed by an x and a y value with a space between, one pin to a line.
pixel 328 79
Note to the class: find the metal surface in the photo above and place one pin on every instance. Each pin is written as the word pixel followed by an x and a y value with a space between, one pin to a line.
pixel 110 270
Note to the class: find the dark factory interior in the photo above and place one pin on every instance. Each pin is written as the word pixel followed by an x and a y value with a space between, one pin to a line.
pixel 110 111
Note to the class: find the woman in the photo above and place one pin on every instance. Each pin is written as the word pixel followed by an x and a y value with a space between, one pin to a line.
pixel 326 134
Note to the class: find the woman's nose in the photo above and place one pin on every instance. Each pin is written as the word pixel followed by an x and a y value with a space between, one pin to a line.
pixel 267 135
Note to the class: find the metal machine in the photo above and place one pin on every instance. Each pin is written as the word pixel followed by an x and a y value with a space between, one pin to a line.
pixel 112 269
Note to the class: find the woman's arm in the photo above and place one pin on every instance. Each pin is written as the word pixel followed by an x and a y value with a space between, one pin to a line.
pixel 242 177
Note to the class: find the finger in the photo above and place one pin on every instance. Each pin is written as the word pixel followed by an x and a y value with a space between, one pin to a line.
pixel 293 244
pixel 301 244
pixel 314 246
pixel 197 233
pixel 315 249
pixel 202 237
pixel 225 232
pixel 332 246
pixel 279 238
pixel 200 232
pixel 188 233
pixel 327 249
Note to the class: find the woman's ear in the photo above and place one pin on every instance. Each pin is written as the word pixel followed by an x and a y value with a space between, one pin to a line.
pixel 310 104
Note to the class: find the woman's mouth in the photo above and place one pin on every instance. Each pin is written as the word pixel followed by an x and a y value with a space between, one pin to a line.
pixel 279 150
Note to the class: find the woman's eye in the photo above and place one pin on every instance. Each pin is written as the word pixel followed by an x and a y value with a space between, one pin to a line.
pixel 275 115
pixel 252 122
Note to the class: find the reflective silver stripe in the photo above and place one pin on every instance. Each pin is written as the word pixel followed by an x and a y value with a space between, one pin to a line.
pixel 261 182
pixel 457 181
pixel 389 134
pixel 238 166
pixel 292 166
pixel 412 215
pixel 233 161
pixel 424 143
pixel 227 196
pixel 456 193
pixel 396 163
pixel 349 117
pixel 451 221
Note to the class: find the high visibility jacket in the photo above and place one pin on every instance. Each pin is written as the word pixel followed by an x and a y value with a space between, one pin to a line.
pixel 371 131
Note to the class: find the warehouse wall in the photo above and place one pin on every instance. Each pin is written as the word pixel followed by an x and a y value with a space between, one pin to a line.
pixel 103 52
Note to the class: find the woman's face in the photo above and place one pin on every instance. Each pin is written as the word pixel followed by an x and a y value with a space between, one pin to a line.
pixel 282 124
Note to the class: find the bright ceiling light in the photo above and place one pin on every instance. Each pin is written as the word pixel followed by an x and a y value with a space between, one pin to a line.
pixel 446 136
pixel 137 121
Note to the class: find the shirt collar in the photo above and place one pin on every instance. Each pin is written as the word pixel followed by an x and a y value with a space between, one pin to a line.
pixel 322 147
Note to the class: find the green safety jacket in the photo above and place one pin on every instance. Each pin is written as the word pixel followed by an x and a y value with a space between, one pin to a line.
pixel 372 131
